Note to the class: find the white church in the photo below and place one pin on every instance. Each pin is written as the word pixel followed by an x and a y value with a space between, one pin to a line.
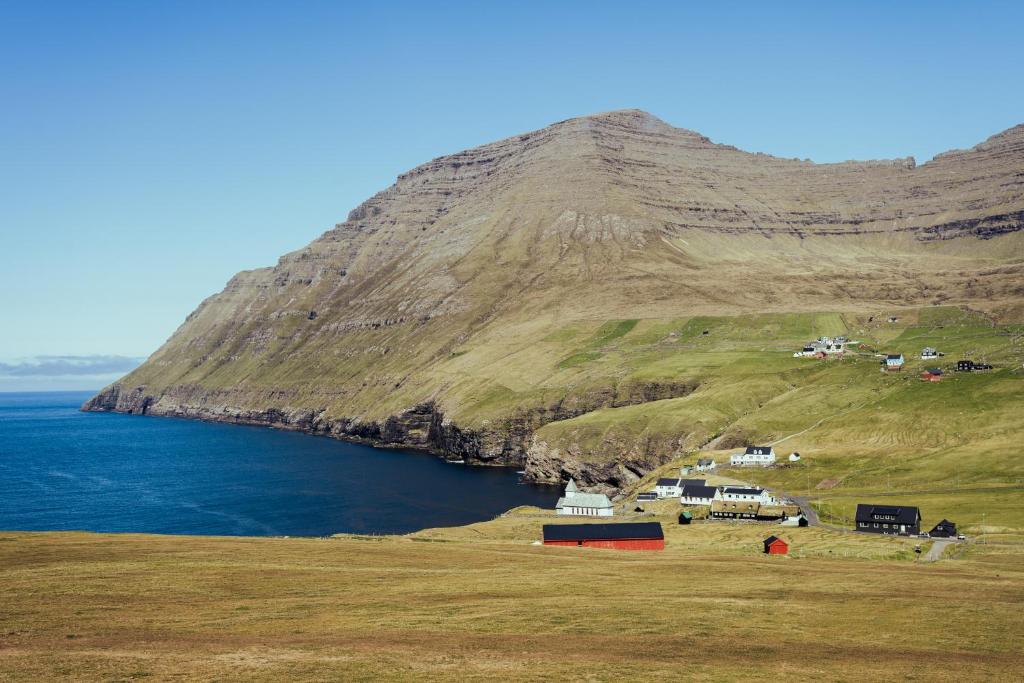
pixel 574 502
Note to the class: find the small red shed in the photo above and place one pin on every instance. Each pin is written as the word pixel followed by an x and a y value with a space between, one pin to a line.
pixel 774 545
pixel 623 536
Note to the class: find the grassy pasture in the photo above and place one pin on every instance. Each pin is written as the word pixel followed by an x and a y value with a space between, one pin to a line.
pixel 481 603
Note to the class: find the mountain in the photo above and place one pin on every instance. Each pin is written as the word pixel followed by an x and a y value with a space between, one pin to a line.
pixel 539 280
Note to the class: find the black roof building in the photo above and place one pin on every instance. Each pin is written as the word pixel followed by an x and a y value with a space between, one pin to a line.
pixel 604 532
pixel 888 519
pixel 667 481
pixel 692 482
pixel 741 490
pixel 699 491
pixel 758 450
pixel 944 529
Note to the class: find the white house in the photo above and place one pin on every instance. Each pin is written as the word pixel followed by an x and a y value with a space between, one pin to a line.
pixel 699 494
pixel 748 495
pixel 668 488
pixel 705 465
pixel 758 456
pixel 575 502
pixel 894 361
pixel 929 353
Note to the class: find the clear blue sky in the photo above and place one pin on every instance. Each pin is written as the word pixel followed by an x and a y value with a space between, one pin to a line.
pixel 150 150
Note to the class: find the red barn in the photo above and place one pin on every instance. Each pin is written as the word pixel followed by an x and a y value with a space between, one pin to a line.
pixel 775 546
pixel 623 536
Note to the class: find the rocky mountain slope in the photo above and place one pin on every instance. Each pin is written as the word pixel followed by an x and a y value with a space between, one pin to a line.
pixel 468 305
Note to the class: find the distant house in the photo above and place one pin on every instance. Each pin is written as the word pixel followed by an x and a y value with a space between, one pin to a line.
pixel 705 465
pixel 646 497
pixel 694 494
pixel 774 545
pixel 754 456
pixel 624 536
pixel 971 366
pixel 822 346
pixel 668 488
pixel 888 519
pixel 894 362
pixel 931 375
pixel 944 529
pixel 746 494
pixel 929 353
pixel 721 509
pixel 575 502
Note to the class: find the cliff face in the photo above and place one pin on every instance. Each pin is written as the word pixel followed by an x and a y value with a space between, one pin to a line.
pixel 441 312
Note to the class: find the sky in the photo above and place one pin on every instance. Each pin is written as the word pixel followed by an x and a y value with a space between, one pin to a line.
pixel 149 151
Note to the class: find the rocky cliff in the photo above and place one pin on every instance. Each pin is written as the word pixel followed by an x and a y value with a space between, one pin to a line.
pixel 469 304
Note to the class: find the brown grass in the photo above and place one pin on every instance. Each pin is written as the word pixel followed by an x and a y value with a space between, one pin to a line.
pixel 482 603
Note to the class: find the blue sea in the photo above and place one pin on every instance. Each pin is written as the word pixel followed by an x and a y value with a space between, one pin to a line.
pixel 62 469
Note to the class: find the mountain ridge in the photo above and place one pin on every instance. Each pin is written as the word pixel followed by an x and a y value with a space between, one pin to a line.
pixel 617 216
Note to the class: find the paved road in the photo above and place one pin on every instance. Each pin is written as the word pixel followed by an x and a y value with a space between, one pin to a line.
pixel 812 515
pixel 935 552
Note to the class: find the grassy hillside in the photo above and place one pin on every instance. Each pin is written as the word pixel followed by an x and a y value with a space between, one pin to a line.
pixel 851 422
pixel 481 603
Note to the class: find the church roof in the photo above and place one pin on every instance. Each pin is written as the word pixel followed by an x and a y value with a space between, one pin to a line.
pixel 571 486
pixel 584 500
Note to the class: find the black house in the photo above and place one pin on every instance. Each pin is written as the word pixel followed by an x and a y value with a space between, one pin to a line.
pixel 898 520
pixel 964 365
pixel 944 529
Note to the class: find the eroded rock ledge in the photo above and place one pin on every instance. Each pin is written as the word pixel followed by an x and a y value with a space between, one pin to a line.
pixel 507 442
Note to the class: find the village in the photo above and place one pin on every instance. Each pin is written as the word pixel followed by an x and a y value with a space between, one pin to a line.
pixel 836 347
pixel 702 500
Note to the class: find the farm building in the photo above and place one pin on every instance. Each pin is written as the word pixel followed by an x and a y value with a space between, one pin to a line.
pixel 794 457
pixel 971 366
pixel 773 545
pixel 685 517
pixel 624 536
pixel 776 513
pixel 668 488
pixel 705 465
pixel 753 456
pixel 944 529
pixel 575 502
pixel 822 347
pixel 888 519
pixel 931 375
pixel 721 509
pixel 894 362
pixel 646 497
pixel 699 494
pixel 797 520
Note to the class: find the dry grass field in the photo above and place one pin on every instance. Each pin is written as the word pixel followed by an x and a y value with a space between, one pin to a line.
pixel 482 603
